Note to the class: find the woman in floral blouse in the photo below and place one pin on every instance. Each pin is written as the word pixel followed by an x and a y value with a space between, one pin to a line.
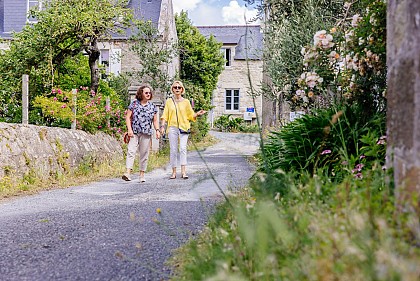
pixel 140 117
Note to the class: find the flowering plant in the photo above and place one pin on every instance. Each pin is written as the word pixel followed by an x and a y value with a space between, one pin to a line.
pixel 346 64
pixel 92 111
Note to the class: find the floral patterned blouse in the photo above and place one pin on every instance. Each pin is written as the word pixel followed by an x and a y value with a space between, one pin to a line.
pixel 142 117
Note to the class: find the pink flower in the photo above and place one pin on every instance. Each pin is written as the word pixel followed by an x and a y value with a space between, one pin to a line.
pixel 362 156
pixel 359 167
pixel 55 98
pixel 327 151
pixel 358 176
pixel 63 106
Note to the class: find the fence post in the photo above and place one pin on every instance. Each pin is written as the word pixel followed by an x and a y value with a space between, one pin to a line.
pixel 107 110
pixel 25 99
pixel 74 109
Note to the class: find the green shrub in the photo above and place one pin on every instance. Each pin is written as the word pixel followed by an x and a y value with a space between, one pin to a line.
pixel 335 140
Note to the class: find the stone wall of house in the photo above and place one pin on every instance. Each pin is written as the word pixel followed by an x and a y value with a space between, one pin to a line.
pixel 236 77
pixel 47 151
pixel 403 114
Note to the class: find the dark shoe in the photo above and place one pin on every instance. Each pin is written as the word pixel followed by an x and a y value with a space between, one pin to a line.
pixel 185 177
pixel 126 177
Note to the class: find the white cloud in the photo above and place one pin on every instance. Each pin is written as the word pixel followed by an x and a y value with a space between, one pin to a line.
pixel 236 14
pixel 186 5
pixel 206 15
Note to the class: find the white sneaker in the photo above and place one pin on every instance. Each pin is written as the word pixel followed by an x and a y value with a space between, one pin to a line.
pixel 126 177
pixel 142 179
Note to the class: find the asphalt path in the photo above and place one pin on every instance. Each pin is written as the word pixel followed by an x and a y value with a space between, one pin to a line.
pixel 112 230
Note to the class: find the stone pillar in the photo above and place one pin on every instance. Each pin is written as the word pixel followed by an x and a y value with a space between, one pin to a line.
pixel 403 113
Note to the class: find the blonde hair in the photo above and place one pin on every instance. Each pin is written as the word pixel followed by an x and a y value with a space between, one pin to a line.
pixel 180 84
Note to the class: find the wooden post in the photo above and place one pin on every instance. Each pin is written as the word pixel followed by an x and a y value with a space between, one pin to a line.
pixel 74 96
pixel 25 99
pixel 107 109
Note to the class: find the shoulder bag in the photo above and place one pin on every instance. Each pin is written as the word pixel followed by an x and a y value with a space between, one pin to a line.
pixel 181 131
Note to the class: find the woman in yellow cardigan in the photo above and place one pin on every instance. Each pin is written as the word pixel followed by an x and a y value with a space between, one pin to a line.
pixel 177 115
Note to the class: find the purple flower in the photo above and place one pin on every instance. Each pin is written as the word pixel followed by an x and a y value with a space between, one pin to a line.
pixel 358 176
pixel 327 151
pixel 359 167
pixel 362 156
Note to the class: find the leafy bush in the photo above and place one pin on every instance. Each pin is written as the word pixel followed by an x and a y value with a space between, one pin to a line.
pixel 226 123
pixel 336 140
pixel 92 112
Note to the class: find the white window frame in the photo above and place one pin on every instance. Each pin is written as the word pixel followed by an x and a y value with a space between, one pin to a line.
pixel 227 54
pixel 232 93
pixel 29 5
pixel 113 64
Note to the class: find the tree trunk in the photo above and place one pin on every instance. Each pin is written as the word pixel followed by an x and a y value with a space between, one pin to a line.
pixel 94 54
pixel 403 113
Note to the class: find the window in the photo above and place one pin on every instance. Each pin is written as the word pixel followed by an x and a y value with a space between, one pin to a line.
pixel 111 60
pixel 232 99
pixel 228 56
pixel 33 4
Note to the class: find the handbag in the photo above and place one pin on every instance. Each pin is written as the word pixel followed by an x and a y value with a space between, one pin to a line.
pixel 126 137
pixel 181 131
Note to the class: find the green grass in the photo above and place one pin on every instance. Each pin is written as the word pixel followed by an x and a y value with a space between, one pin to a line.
pixel 353 233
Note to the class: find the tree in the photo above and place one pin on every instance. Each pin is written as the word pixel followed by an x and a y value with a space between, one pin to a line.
pixel 64 28
pixel 201 64
pixel 153 53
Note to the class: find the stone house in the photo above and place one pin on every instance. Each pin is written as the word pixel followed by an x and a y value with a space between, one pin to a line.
pixel 115 55
pixel 242 48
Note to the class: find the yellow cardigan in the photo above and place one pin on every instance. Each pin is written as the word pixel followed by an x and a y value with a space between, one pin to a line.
pixel 185 114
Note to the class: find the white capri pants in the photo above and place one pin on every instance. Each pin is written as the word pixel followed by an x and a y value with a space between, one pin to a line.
pixel 174 135
pixel 140 142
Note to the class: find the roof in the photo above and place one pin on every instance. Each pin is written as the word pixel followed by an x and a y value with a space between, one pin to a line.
pixel 13 15
pixel 235 35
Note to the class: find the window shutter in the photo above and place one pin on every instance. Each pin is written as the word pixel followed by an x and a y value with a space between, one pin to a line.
pixel 115 61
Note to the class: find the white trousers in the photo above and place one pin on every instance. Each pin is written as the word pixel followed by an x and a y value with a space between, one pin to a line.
pixel 141 143
pixel 175 139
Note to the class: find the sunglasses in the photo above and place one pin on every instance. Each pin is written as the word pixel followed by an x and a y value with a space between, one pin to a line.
pixel 177 87
pixel 147 93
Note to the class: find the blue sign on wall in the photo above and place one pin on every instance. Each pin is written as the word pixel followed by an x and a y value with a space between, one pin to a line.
pixel 250 109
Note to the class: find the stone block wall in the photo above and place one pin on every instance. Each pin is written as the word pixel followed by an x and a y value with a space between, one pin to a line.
pixel 46 151
pixel 236 77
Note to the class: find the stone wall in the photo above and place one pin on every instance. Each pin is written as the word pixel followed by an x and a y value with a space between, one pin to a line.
pixel 44 151
pixel 403 124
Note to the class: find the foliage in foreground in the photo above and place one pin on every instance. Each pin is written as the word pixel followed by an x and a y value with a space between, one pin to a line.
pixel 307 234
pixel 338 139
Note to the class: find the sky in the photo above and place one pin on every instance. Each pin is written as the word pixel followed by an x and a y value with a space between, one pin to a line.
pixel 215 12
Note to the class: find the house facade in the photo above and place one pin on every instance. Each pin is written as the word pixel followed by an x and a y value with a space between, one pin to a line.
pixel 242 48
pixel 115 54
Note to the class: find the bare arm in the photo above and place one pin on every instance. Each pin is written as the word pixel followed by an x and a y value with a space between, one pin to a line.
pixel 128 122
pixel 156 126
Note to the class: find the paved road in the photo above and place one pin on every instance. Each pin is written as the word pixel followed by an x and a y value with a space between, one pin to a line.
pixel 107 230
